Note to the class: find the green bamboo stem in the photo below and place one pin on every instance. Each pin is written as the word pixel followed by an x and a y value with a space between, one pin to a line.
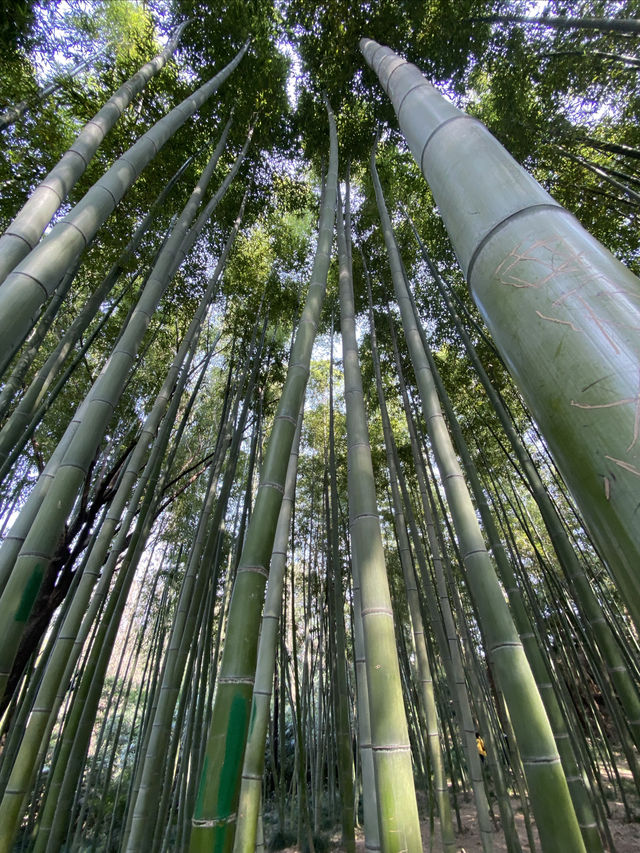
pixel 530 266
pixel 87 428
pixel 539 666
pixel 604 638
pixel 205 548
pixel 35 277
pixel 548 787
pixel 215 811
pixel 369 796
pixel 341 711
pixel 17 439
pixel 424 669
pixel 35 339
pixel 74 741
pixel 67 648
pixel 296 694
pixel 568 731
pixel 443 623
pixel 14 112
pixel 133 677
pixel 398 822
pixel 191 595
pixel 24 698
pixel 57 809
pixel 249 800
pixel 108 734
pixel 33 396
pixel 193 725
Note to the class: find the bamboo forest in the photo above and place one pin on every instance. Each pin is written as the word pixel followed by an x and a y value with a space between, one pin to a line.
pixel 319 426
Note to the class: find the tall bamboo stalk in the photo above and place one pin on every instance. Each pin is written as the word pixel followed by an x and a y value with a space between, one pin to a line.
pixel 340 690
pixel 196 577
pixel 83 436
pixel 21 417
pixel 67 649
pixel 398 821
pixel 36 277
pixel 550 797
pixel 598 629
pixel 442 619
pixel 215 810
pixel 11 114
pixel 427 697
pixel 251 788
pixel 562 311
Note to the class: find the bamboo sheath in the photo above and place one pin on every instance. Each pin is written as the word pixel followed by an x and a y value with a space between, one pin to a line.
pixel 563 312
pixel 36 277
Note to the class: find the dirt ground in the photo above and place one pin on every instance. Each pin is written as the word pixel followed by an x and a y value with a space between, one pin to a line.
pixel 625 834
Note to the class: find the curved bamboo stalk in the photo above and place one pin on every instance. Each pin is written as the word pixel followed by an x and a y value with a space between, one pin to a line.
pixel 11 114
pixel 563 312
pixel 87 428
pixel 45 376
pixel 26 288
pixel 26 229
pixel 35 339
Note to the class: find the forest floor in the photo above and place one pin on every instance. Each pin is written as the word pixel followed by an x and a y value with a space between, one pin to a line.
pixel 624 833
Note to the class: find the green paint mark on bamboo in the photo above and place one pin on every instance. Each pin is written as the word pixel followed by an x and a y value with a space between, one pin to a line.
pixel 252 720
pixel 29 595
pixel 229 774
pixel 201 788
